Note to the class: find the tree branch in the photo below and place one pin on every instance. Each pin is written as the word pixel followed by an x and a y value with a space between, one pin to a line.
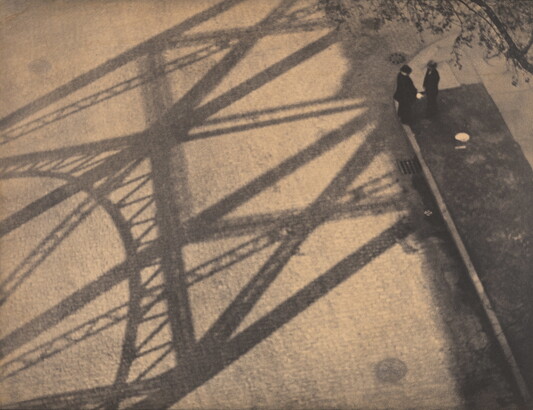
pixel 514 51
pixel 481 16
pixel 528 45
pixel 452 8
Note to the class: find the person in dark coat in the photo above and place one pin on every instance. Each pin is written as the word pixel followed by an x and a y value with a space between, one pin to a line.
pixel 405 94
pixel 431 87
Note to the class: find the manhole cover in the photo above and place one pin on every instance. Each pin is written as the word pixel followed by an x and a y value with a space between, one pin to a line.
pixel 409 166
pixel 391 370
pixel 40 66
pixel 397 58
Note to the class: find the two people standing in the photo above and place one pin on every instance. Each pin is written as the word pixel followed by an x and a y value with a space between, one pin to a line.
pixel 406 92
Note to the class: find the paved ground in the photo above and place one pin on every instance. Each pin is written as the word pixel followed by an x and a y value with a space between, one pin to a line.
pixel 213 215
pixel 487 186
pixel 487 183
pixel 513 99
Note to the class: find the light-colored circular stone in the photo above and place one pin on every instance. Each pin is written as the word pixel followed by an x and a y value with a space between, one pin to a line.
pixel 462 136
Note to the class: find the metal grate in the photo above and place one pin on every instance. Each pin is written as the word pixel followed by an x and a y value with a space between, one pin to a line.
pixel 409 166
pixel 397 58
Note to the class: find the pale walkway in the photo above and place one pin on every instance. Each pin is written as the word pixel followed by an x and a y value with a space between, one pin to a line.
pixel 513 101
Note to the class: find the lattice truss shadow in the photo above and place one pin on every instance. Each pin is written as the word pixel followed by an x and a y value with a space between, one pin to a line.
pixel 127 195
pixel 206 45
pixel 118 177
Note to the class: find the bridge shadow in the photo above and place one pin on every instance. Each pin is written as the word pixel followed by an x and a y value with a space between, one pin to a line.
pixel 196 359
pixel 210 43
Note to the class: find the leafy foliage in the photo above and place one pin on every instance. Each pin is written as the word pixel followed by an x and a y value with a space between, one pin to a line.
pixel 501 27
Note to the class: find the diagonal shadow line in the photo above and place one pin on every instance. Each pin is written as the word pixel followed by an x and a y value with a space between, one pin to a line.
pixel 238 92
pixel 181 112
pixel 54 315
pixel 156 43
pixel 103 95
pixel 96 395
pixel 48 349
pixel 111 164
pixel 246 87
pixel 258 223
pixel 180 315
pixel 239 226
pixel 318 288
pixel 252 247
pixel 271 110
pixel 73 303
pixel 211 360
pixel 99 195
pixel 306 223
pixel 267 123
pixel 165 389
pixel 272 227
pixel 84 103
pixel 235 33
pixel 247 298
pixel 231 257
pixel 38 207
pixel 204 219
pixel 232 34
pixel 45 248
pixel 99 147
pixel 171 238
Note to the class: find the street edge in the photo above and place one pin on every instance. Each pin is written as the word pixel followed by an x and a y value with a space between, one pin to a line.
pixel 472 273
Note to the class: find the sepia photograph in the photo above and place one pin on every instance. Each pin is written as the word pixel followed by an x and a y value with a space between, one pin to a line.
pixel 266 204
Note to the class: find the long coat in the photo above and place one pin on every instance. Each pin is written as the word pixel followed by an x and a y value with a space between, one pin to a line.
pixel 405 94
pixel 431 85
pixel 431 82
pixel 405 89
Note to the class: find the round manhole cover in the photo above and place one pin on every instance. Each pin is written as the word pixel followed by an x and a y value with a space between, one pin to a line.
pixel 391 370
pixel 39 66
pixel 397 58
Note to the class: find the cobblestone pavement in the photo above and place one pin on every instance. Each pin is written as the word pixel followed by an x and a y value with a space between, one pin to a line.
pixel 244 170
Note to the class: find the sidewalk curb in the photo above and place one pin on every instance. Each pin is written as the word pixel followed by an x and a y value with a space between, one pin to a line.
pixel 472 273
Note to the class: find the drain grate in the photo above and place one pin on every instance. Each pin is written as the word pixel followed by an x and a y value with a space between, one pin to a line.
pixel 409 166
pixel 397 58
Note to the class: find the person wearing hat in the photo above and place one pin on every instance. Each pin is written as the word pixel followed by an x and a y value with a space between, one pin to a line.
pixel 405 94
pixel 431 87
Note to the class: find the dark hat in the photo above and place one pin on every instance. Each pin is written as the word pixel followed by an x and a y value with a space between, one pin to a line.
pixel 432 64
pixel 406 69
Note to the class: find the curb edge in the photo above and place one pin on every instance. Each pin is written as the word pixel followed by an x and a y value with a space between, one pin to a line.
pixel 472 273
